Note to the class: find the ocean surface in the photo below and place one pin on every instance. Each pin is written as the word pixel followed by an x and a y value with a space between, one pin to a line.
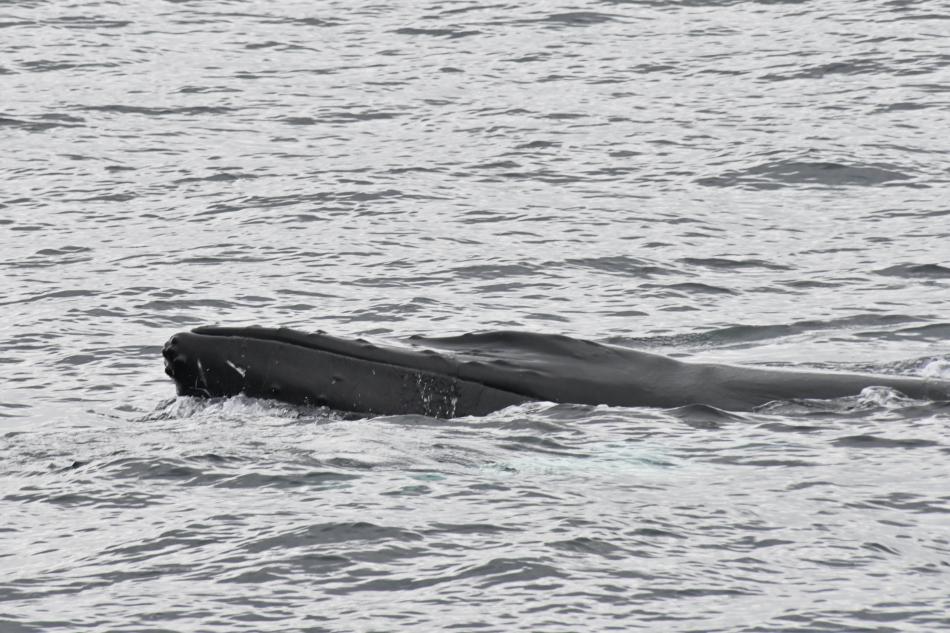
pixel 762 183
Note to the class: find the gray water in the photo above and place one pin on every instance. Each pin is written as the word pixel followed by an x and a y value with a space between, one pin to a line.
pixel 742 182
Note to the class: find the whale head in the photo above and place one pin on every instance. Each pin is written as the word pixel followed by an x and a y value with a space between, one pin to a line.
pixel 198 373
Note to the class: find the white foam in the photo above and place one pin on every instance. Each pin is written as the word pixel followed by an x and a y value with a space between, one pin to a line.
pixel 936 368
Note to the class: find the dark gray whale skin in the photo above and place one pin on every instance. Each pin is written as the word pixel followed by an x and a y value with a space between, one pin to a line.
pixel 475 374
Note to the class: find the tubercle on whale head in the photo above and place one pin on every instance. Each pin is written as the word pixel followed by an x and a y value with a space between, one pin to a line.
pixel 175 361
pixel 178 367
pixel 197 372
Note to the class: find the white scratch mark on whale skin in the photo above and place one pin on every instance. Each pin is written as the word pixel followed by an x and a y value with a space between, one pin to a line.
pixel 239 370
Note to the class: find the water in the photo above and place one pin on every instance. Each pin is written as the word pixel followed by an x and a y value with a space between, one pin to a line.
pixel 747 182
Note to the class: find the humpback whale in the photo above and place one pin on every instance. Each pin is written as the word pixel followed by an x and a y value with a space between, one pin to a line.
pixel 475 374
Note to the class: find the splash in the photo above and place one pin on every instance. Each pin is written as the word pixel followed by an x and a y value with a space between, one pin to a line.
pixel 938 368
pixel 240 406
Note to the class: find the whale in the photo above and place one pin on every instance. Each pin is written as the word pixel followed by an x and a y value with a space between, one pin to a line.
pixel 477 374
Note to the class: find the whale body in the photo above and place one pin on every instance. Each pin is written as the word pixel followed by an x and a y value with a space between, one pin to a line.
pixel 475 374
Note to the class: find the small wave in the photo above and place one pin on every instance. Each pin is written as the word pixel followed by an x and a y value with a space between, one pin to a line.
pixel 447 33
pixel 321 22
pixel 538 444
pixel 791 172
pixel 903 106
pixel 342 116
pixel 819 71
pixel 283 46
pixel 702 416
pixel 697 288
pixel 314 479
pixel 742 334
pixel 159 111
pixel 932 332
pixel 539 145
pixel 495 271
pixel 876 441
pixel 224 176
pixel 47 257
pixel 142 468
pixel 49 65
pixel 731 264
pixel 916 271
pixel 86 22
pixel 205 89
pixel 621 265
pixel 597 459
pixel 322 534
pixel 714 4
pixel 59 294
pixel 39 126
pixel 576 19
pixel 586 545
